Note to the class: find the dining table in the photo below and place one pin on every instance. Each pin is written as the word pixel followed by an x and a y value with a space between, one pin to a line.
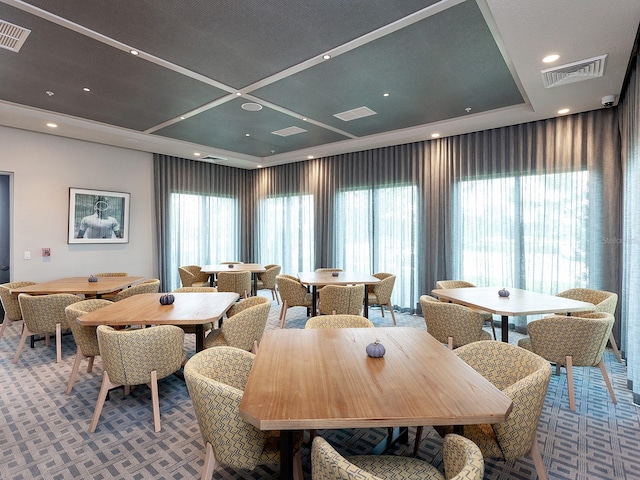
pixel 518 303
pixel 317 280
pixel 254 268
pixel 80 286
pixel 145 309
pixel 324 379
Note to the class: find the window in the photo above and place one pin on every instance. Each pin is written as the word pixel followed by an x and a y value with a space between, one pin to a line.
pixel 204 230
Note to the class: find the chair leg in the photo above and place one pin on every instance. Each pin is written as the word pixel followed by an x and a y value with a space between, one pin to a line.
pixel 90 364
pixel 612 340
pixel 210 463
pixel 275 294
pixel 557 369
pixel 606 380
pixel 572 395
pixel 155 400
pixel 283 313
pixel 23 338
pixel 537 460
pixel 58 343
pixel 416 446
pixel 5 322
pixel 450 343
pixel 393 317
pixel 74 370
pixel 254 349
pixel 102 396
pixel 297 466
pixel 493 329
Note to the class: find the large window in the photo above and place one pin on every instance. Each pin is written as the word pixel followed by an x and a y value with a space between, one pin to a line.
pixel 286 233
pixel 204 230
pixel 529 231
pixel 376 231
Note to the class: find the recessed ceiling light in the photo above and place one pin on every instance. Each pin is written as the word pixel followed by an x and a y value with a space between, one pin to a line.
pixel 134 52
pixel 310 157
pixel 239 94
pixel 52 125
pixel 326 56
pixel 86 89
pixel 551 58
pixel 197 154
pixel 50 93
pixel 562 111
pixel 304 119
pixel 182 118
pixel 468 109
pixel 259 166
pixel 251 107
pixel 385 94
pixel 435 135
pixel 247 134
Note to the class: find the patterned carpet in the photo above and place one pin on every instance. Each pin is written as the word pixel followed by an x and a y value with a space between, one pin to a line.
pixel 43 433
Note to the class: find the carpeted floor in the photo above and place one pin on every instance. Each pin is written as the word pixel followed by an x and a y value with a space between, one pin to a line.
pixel 43 431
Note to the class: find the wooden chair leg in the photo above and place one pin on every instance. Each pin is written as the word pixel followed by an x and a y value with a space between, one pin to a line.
pixel 612 340
pixel 297 466
pixel 393 317
pixel 102 396
pixel 416 446
pixel 572 396
pixel 450 343
pixel 74 370
pixel 5 322
pixel 210 463
pixel 155 400
pixel 254 349
pixel 58 343
pixel 25 333
pixel 493 329
pixel 283 313
pixel 90 364
pixel 606 380
pixel 537 460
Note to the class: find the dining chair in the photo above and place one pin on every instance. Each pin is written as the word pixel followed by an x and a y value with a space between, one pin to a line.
pixel 293 294
pixel 452 324
pixel 148 286
pixel 207 289
pixel 86 338
pixel 329 269
pixel 244 326
pixel 44 314
pixel 137 356
pixel 341 299
pixel 238 282
pixel 110 295
pixel 10 305
pixel 573 342
pixel 604 302
pixel 462 461
pixel 191 276
pixel 231 263
pixel 380 293
pixel 111 274
pixel 524 377
pixel 339 321
pixel 216 379
pixel 486 316
pixel 267 280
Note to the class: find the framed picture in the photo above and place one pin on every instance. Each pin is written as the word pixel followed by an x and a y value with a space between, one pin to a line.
pixel 98 216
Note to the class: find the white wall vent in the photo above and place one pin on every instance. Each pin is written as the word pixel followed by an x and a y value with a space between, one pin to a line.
pixel 354 114
pixel 12 36
pixel 285 132
pixel 574 72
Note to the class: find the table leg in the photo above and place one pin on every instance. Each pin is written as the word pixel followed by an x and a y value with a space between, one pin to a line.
pixel 286 454
pixel 314 301
pixel 199 337
pixel 505 329
pixel 212 279
pixel 365 313
pixel 255 284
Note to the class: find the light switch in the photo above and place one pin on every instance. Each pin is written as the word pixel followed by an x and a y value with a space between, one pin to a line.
pixel 27 255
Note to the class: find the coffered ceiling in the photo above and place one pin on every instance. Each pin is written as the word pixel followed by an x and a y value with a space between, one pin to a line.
pixel 246 83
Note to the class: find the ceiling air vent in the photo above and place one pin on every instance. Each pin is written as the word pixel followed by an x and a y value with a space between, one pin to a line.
pixel 211 158
pixel 285 132
pixel 354 114
pixel 574 72
pixel 12 37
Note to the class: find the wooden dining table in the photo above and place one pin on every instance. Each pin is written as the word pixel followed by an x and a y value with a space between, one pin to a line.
pixel 320 279
pixel 518 303
pixel 145 309
pixel 323 379
pixel 80 285
pixel 254 268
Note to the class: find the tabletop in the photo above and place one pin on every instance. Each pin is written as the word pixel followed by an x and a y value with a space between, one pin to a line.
pixel 234 267
pixel 343 278
pixel 322 379
pixel 80 285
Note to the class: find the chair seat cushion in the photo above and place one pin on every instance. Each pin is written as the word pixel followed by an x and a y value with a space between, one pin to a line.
pixel 396 467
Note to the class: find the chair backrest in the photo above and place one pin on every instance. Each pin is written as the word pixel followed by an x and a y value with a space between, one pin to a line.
pixel 190 274
pixel 521 375
pixel 231 263
pixel 584 338
pixel 245 322
pixel 603 300
pixel 339 321
pixel 291 290
pixel 85 337
pixel 41 313
pixel 446 320
pixel 111 274
pixel 329 269
pixel 238 282
pixel 215 379
pixel 453 284
pixel 384 288
pixel 148 286
pixel 10 300
pixel 341 299
pixel 129 356
pixel 328 464
pixel 462 458
pixel 268 278
pixel 196 290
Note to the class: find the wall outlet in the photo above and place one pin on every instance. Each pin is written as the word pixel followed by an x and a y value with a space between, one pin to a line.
pixel 27 255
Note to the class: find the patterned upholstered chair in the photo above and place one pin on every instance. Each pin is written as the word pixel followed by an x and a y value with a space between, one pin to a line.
pixel 487 317
pixel 341 299
pixel 86 337
pixel 455 325
pixel 604 302
pixel 572 342
pixel 238 282
pixel 244 326
pixel 207 289
pixel 12 312
pixel 267 280
pixel 216 379
pixel 339 321
pixel 111 274
pixel 524 377
pixel 293 294
pixel 44 314
pixel 329 269
pixel 380 293
pixel 462 461
pixel 148 286
pixel 133 357
pixel 191 276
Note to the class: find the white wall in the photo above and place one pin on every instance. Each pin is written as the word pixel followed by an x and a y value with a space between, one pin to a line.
pixel 43 168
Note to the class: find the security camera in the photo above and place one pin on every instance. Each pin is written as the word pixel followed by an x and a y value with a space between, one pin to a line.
pixel 608 100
